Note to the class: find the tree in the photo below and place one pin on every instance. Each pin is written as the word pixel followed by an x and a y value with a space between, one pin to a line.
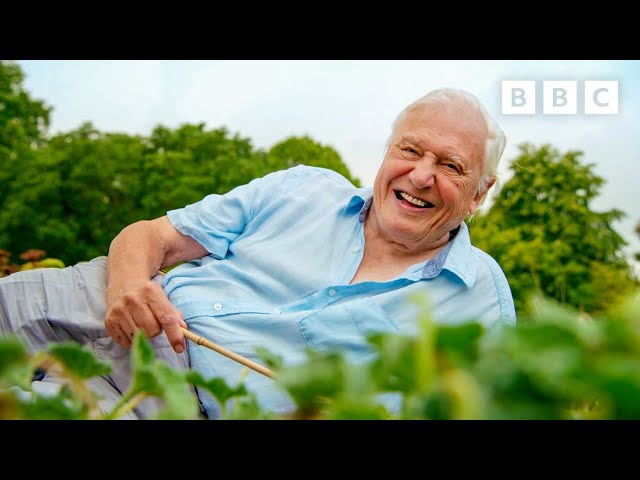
pixel 72 193
pixel 23 124
pixel 637 255
pixel 544 234
pixel 85 186
pixel 23 120
pixel 303 150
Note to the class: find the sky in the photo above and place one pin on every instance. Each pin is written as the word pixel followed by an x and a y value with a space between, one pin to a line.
pixel 350 105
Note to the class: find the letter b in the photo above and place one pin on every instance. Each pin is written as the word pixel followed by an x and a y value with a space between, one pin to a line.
pixel 518 97
pixel 560 97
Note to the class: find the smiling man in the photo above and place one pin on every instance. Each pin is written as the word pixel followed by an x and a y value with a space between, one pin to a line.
pixel 297 259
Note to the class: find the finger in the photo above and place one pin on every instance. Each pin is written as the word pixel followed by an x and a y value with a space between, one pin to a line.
pixel 168 316
pixel 181 321
pixel 127 325
pixel 144 319
pixel 118 326
pixel 122 338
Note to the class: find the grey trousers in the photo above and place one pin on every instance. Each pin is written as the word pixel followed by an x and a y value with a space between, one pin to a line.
pixel 54 305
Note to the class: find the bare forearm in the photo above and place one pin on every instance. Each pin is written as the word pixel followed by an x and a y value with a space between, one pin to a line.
pixel 134 302
pixel 136 254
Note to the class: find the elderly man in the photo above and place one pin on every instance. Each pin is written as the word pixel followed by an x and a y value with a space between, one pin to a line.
pixel 299 258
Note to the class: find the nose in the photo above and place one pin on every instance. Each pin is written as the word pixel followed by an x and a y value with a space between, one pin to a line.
pixel 423 174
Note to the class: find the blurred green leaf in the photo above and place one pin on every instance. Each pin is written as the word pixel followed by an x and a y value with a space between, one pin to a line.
pixel 217 387
pixel 78 359
pixel 58 407
pixel 271 360
pixel 394 368
pixel 460 341
pixel 180 402
pixel 142 365
pixel 320 378
pixel 14 366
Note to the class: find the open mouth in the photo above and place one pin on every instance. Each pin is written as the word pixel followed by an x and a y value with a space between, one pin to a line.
pixel 412 201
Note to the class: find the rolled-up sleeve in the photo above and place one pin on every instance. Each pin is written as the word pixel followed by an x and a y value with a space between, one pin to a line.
pixel 217 220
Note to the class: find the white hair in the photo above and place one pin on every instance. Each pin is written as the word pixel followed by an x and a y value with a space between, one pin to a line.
pixel 496 139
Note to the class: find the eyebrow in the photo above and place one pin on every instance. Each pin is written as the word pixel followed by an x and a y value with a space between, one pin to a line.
pixel 411 139
pixel 454 157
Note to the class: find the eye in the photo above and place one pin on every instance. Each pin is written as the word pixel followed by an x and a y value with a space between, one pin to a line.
pixel 453 167
pixel 408 151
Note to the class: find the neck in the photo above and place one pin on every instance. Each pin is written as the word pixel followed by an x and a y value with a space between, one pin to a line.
pixel 385 247
pixel 384 258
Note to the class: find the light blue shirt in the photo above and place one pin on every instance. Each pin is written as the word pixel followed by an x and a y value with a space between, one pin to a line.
pixel 283 249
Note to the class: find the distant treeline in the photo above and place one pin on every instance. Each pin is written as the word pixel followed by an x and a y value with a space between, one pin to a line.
pixel 72 193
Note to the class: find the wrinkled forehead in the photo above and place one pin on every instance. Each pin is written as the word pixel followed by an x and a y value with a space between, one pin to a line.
pixel 458 118
pixel 457 124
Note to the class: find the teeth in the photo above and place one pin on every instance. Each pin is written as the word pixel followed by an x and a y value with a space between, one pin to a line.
pixel 410 199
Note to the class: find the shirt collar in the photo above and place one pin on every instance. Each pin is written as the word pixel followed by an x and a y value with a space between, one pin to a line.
pixel 360 200
pixel 457 256
pixel 461 260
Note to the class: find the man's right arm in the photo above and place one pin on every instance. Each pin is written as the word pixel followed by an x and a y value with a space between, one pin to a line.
pixel 134 301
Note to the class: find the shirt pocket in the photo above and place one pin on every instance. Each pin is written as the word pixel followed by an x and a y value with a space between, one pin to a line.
pixel 346 327
pixel 233 324
pixel 238 327
pixel 216 308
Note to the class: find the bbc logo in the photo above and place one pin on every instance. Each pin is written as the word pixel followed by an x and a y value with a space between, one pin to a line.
pixel 560 97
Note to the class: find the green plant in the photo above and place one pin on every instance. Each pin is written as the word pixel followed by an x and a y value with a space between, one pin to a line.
pixel 76 364
pixel 556 364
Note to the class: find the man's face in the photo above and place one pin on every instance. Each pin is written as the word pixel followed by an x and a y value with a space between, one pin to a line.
pixel 428 181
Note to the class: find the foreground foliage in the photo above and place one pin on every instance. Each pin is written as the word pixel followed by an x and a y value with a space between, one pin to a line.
pixel 556 364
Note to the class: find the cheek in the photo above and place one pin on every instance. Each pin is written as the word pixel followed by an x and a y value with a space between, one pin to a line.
pixel 449 193
pixel 386 179
pixel 393 168
pixel 456 197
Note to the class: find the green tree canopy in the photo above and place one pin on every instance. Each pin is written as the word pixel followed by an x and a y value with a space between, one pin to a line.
pixel 23 120
pixel 637 255
pixel 85 186
pixel 72 193
pixel 23 124
pixel 544 234
pixel 303 150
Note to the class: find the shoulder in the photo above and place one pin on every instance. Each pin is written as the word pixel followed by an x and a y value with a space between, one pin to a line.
pixel 491 278
pixel 314 182
pixel 487 264
pixel 317 173
pixel 296 179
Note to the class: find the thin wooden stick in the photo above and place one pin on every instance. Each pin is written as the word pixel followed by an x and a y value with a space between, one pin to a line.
pixel 197 339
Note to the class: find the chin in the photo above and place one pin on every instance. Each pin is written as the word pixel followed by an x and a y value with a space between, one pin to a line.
pixel 403 230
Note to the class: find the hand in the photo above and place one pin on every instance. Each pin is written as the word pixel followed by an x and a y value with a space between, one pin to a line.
pixel 143 307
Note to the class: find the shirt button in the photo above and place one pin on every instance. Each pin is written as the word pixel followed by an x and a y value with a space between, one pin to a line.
pixel 356 249
pixel 217 307
pixel 277 310
pixel 332 293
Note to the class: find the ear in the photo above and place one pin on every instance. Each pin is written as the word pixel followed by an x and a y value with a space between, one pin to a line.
pixel 477 200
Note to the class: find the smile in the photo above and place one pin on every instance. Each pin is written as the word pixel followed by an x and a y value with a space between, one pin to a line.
pixel 414 202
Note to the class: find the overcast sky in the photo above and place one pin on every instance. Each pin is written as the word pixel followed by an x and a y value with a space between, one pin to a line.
pixel 348 105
